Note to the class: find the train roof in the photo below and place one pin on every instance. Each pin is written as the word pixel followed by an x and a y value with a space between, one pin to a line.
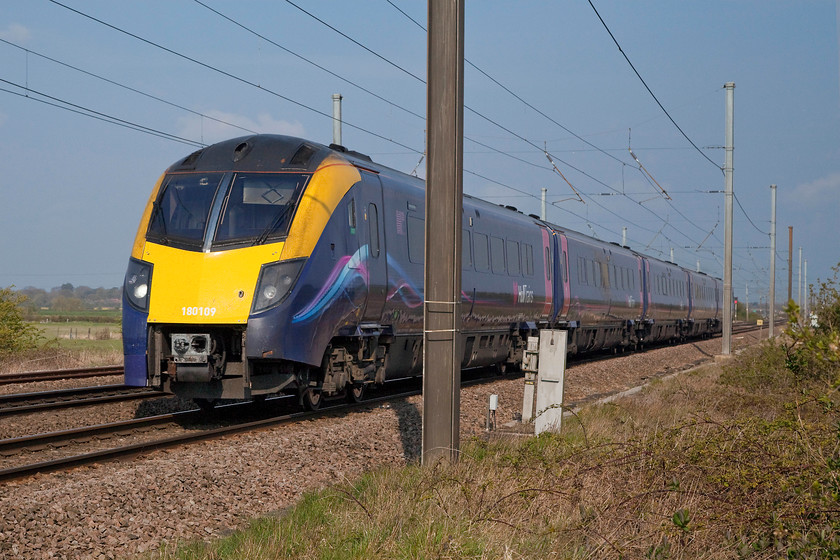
pixel 260 152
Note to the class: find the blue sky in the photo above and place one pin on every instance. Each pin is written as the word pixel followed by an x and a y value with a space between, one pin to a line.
pixel 73 187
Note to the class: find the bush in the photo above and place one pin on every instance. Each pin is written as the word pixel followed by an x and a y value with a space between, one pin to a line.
pixel 814 350
pixel 16 335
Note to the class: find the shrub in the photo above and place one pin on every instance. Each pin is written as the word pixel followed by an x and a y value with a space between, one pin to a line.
pixel 814 348
pixel 16 335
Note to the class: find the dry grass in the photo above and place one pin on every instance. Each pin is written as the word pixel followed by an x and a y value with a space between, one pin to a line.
pixel 739 464
pixel 52 356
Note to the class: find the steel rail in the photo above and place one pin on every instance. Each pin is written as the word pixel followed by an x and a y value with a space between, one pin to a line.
pixel 42 439
pixel 139 448
pixel 143 447
pixel 52 375
pixel 19 403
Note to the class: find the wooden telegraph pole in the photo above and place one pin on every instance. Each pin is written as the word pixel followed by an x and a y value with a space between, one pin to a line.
pixel 444 201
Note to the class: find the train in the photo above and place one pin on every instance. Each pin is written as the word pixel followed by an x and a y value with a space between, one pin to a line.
pixel 269 264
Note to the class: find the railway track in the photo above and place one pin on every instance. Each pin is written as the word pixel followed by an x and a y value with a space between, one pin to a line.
pixel 188 423
pixel 53 375
pixel 20 403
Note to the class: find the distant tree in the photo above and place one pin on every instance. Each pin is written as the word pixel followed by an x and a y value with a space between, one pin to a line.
pixel 16 335
pixel 36 297
pixel 83 292
pixel 67 287
pixel 66 303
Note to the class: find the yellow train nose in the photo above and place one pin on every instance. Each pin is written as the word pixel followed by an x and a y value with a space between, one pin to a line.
pixel 201 288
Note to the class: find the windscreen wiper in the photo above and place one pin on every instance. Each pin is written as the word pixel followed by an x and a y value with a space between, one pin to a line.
pixel 272 226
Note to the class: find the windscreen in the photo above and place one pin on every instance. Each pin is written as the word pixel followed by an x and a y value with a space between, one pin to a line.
pixel 182 210
pixel 259 207
pixel 197 211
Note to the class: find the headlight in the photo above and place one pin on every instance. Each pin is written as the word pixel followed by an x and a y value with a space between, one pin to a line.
pixel 138 279
pixel 275 283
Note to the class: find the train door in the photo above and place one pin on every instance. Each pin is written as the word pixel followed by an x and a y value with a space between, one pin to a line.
pixel 548 311
pixel 562 292
pixel 371 239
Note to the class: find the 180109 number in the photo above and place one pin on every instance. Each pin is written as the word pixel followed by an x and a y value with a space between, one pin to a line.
pixel 198 311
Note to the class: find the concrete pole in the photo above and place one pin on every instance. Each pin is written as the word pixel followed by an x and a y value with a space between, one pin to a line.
pixel 790 263
pixel 727 266
pixel 747 303
pixel 337 118
pixel 624 236
pixel 806 300
pixel 799 286
pixel 672 255
pixel 772 298
pixel 444 203
pixel 542 206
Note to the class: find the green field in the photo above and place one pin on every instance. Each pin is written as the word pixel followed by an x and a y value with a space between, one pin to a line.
pixel 82 335
pixel 93 315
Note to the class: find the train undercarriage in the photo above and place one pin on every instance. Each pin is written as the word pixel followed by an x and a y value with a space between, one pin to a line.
pixel 210 363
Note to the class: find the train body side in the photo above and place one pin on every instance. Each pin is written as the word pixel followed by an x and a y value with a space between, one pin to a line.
pixel 604 292
pixel 300 268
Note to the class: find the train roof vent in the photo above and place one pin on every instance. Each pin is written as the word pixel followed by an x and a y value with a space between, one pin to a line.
pixel 302 156
pixel 534 216
pixel 342 149
pixel 189 161
pixel 241 151
pixel 509 207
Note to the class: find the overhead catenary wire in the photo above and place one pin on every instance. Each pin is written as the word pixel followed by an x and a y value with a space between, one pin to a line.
pixel 233 76
pixel 309 61
pixel 748 217
pixel 644 83
pixel 477 113
pixel 129 88
pixel 368 49
pixel 646 174
pixel 514 94
pixel 498 125
pixel 319 112
pixel 79 109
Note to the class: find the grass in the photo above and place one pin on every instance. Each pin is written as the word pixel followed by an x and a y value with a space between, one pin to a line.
pixel 739 463
pixel 83 335
pixel 70 344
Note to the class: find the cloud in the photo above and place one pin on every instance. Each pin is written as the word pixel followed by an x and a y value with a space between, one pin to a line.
pixel 819 191
pixel 15 33
pixel 218 126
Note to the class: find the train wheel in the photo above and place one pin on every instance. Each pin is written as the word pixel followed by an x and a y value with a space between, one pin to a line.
pixel 312 399
pixel 206 405
pixel 356 392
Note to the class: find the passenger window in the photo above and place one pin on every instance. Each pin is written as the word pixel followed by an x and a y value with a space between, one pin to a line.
pixel 548 264
pixel 528 259
pixel 351 215
pixel 416 239
pixel 373 226
pixel 564 266
pixel 497 254
pixel 466 250
pixel 512 258
pixel 482 253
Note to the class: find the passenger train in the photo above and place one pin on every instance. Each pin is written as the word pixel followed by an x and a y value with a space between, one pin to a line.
pixel 269 264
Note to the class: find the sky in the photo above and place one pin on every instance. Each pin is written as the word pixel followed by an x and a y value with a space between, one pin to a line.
pixel 98 98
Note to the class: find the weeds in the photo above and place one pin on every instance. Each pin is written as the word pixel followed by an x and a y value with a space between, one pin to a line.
pixel 738 463
pixel 747 467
